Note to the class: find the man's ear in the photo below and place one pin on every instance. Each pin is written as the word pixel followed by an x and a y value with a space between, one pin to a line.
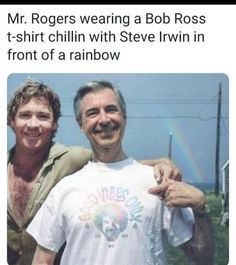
pixel 80 125
pixel 55 126
pixel 12 124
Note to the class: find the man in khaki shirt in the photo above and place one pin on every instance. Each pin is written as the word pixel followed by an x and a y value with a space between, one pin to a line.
pixel 36 163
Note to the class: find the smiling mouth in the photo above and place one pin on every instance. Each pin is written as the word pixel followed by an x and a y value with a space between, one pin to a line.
pixel 107 130
pixel 32 135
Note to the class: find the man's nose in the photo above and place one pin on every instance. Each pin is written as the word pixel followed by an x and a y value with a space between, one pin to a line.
pixel 33 122
pixel 104 117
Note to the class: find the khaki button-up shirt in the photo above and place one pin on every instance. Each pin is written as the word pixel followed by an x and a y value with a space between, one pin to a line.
pixel 61 161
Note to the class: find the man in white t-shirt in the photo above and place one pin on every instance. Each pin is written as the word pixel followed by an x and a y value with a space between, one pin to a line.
pixel 109 213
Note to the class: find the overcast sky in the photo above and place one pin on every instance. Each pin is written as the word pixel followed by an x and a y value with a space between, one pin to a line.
pixel 184 105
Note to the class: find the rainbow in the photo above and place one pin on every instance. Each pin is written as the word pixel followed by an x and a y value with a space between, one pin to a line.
pixel 182 149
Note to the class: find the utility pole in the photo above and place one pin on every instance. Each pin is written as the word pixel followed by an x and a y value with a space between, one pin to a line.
pixel 218 141
pixel 169 156
pixel 170 146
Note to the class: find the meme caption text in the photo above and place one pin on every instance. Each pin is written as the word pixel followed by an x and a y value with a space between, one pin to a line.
pixel 96 37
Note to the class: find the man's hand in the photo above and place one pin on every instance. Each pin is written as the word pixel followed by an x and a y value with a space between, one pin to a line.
pixel 180 194
pixel 164 169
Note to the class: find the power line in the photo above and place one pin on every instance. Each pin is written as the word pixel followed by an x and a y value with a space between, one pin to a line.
pixel 165 117
pixel 164 101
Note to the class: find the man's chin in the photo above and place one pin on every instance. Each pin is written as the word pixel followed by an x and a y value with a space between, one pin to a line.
pixel 107 144
pixel 33 146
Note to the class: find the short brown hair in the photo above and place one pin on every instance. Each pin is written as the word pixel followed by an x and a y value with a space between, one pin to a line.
pixel 32 89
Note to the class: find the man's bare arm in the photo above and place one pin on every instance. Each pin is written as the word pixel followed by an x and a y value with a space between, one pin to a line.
pixel 43 256
pixel 201 248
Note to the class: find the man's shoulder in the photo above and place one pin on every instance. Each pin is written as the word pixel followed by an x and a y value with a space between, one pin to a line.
pixel 142 166
pixel 139 167
pixel 58 148
pixel 74 157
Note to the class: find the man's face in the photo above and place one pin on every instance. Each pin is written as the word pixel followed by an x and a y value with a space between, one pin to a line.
pixel 33 125
pixel 110 228
pixel 102 119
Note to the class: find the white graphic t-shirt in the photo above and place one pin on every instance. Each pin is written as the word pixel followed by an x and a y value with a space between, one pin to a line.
pixel 106 216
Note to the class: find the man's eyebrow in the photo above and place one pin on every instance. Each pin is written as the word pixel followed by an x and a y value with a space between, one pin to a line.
pixel 112 105
pixel 92 108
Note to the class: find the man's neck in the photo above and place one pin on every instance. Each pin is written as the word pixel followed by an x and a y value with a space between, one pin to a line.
pixel 29 160
pixel 108 156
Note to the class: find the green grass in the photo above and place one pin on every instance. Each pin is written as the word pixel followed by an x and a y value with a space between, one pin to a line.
pixel 221 234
